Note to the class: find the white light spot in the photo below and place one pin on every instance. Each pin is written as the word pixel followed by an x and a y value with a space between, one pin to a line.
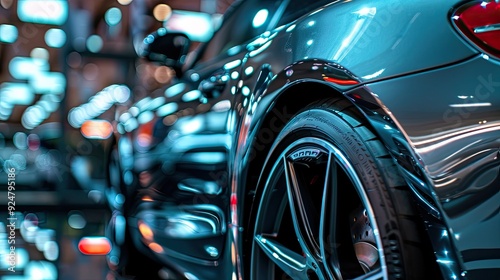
pixel 8 33
pixel 51 251
pixel 235 75
pixel 249 70
pixel 245 91
pixel 145 117
pixel 260 18
pixel 175 89
pixel 233 64
pixel 167 109
pixel 191 95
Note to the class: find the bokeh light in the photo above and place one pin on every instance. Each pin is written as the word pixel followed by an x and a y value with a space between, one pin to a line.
pixel 34 116
pixel 156 247
pixel 16 94
pixel 40 53
pixel 94 245
pixel 43 236
pixel 113 16
pixel 260 18
pixel 120 94
pixel 145 231
pixel 163 74
pixel 98 104
pixel 23 68
pixel 55 37
pixel 8 33
pixel 6 4
pixel 33 142
pixel 167 109
pixel 51 250
pixel 124 2
pixel 145 117
pixel 49 82
pixel 175 89
pixel 76 220
pixel 162 12
pixel 90 71
pixel 74 59
pixel 43 12
pixel 41 270
pixel 96 129
pixel 191 95
pixel 20 140
pixel 94 43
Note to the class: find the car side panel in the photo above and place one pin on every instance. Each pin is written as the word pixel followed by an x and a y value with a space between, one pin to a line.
pixel 453 125
pixel 378 39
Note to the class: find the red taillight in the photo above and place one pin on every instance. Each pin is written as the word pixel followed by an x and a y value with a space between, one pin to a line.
pixel 480 23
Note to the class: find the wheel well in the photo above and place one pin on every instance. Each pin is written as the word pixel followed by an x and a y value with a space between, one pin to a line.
pixel 290 102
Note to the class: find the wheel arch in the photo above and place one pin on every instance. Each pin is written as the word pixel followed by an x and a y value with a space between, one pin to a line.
pixel 317 90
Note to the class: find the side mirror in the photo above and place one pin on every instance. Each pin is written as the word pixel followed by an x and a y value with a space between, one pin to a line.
pixel 169 49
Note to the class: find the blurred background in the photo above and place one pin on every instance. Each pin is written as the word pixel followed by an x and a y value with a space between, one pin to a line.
pixel 67 67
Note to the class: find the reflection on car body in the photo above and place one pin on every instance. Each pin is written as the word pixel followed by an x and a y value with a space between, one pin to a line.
pixel 325 140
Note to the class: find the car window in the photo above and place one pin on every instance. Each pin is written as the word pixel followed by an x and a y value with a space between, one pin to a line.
pixel 245 20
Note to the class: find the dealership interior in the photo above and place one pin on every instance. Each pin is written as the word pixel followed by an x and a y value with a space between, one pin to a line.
pixel 56 56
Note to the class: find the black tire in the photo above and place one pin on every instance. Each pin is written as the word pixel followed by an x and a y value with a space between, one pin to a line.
pixel 331 204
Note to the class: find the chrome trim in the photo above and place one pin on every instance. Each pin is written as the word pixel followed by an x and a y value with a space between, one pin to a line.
pixel 487 28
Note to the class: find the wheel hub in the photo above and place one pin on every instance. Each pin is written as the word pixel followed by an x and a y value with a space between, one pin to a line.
pixel 363 239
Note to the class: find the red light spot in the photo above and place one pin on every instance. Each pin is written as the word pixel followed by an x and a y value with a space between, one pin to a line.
pixel 94 245
pixel 145 134
pixel 97 129
pixel 33 142
pixel 340 81
pixel 234 200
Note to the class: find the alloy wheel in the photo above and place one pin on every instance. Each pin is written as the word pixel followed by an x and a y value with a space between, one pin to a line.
pixel 314 219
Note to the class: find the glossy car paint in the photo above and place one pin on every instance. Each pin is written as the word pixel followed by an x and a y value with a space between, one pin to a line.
pixel 406 69
pixel 458 149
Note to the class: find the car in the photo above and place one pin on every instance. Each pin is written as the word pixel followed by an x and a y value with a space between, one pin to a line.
pixel 318 140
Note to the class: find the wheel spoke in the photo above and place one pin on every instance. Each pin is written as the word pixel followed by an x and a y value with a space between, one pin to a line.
pixel 301 212
pixel 293 264
pixel 328 220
